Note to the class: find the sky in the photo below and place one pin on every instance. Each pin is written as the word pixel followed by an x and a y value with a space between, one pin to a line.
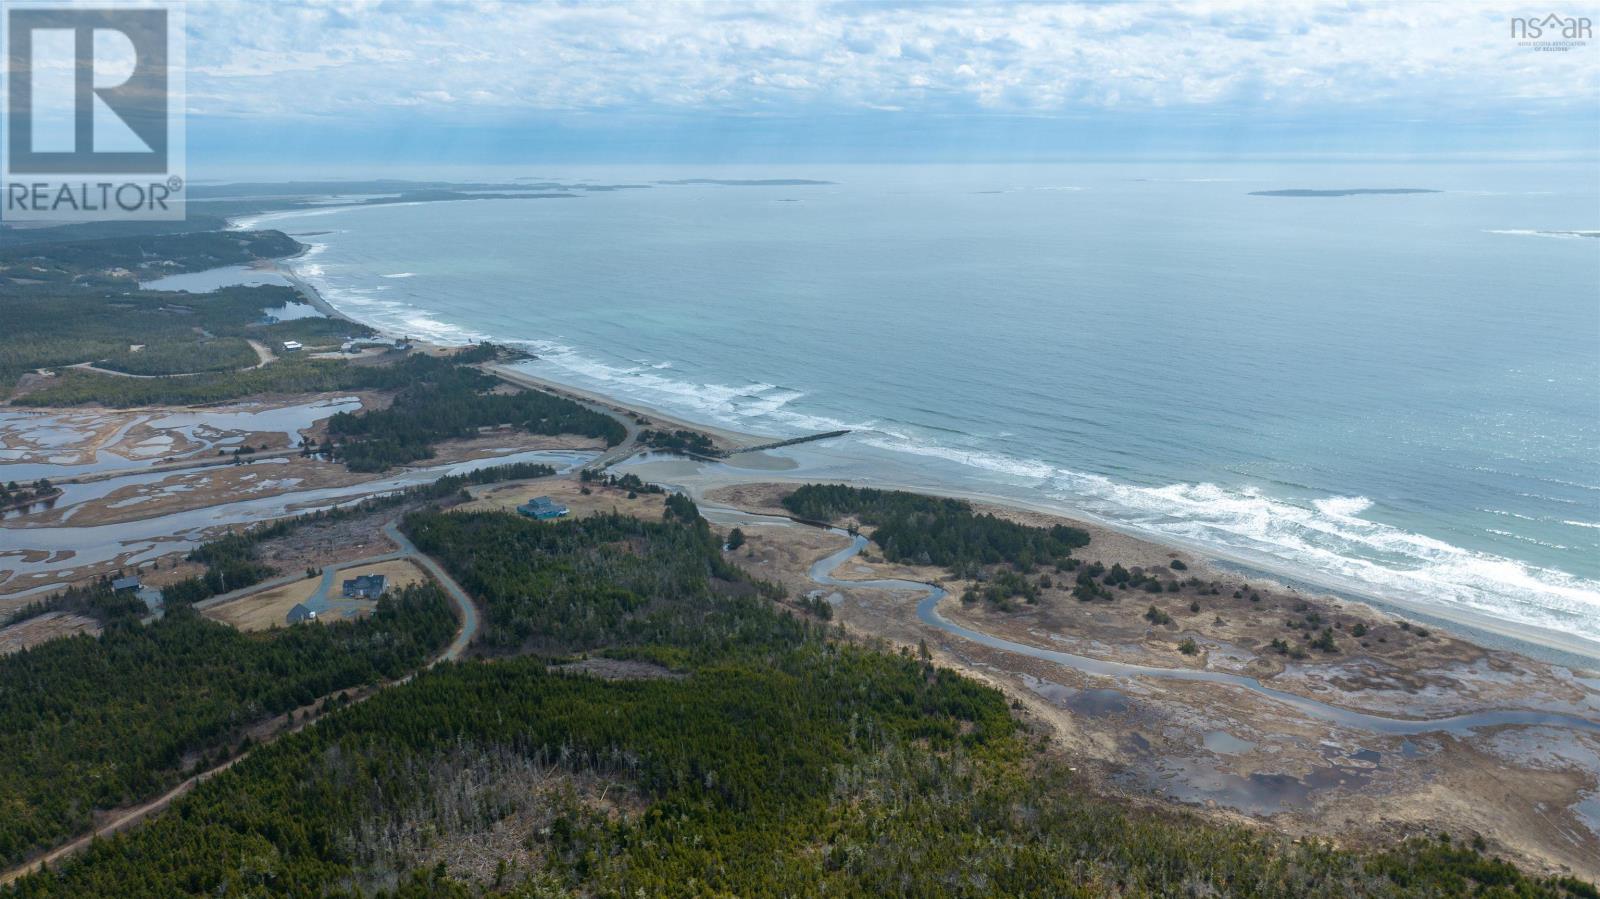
pixel 469 82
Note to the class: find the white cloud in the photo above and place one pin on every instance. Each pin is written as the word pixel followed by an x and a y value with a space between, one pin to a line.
pixel 349 58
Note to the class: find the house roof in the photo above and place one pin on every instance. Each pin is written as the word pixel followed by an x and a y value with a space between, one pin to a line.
pixel 126 583
pixel 364 582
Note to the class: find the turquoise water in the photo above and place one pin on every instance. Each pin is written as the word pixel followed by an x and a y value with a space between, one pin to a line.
pixel 1399 394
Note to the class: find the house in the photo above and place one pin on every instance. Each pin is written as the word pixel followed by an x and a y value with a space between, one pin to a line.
pixel 542 508
pixel 300 613
pixel 293 346
pixel 367 586
pixel 131 582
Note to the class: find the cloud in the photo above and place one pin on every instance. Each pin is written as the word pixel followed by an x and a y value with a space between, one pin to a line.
pixel 369 58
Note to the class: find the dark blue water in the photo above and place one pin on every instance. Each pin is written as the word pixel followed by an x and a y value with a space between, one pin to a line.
pixel 1394 393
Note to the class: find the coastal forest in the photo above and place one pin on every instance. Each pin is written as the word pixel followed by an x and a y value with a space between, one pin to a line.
pixel 439 399
pixel 78 302
pixel 741 749
pixel 638 716
pixel 98 722
pixel 928 530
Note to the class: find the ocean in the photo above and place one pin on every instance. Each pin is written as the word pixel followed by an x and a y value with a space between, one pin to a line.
pixel 1394 394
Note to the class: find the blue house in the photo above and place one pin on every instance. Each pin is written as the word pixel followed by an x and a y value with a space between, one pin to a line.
pixel 367 586
pixel 542 508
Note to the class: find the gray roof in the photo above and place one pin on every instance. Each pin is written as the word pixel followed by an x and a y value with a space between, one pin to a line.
pixel 299 613
pixel 130 582
pixel 364 583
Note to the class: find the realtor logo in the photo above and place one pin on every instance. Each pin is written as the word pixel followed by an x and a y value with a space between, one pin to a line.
pixel 1552 32
pixel 93 114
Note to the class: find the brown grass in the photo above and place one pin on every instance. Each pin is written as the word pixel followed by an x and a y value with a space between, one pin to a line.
pixel 264 610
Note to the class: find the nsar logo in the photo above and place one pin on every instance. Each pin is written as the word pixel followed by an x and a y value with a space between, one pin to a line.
pixel 1552 32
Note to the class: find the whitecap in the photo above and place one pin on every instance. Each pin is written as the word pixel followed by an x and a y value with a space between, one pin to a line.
pixel 1343 506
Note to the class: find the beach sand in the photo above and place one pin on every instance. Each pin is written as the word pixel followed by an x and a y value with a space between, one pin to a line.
pixel 1229 753
pixel 726 439
pixel 1545 644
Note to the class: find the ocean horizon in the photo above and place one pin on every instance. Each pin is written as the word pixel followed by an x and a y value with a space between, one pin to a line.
pixel 1394 394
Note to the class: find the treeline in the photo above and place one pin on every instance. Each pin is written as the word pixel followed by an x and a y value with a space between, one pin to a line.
pixel 441 399
pixel 232 559
pixel 231 564
pixel 678 441
pixel 150 255
pixel 928 530
pixel 94 599
pixel 75 387
pixel 13 494
pixel 170 357
pixel 604 581
pixel 64 306
pixel 92 723
pixel 775 762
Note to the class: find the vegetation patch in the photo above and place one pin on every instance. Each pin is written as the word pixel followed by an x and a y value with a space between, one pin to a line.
pixel 98 722
pixel 780 762
pixel 925 530
pixel 440 399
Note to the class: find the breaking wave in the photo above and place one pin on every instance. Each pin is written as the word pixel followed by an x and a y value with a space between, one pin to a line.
pixel 1334 540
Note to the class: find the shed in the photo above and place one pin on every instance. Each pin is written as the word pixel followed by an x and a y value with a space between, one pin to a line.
pixel 131 582
pixel 300 613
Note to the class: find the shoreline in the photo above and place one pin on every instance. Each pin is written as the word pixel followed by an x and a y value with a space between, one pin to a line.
pixel 737 441
pixel 1543 644
pixel 313 296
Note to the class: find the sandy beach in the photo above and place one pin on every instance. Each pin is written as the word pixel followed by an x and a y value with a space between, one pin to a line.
pixel 1543 643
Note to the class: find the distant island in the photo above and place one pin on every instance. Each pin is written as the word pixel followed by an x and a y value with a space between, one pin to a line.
pixel 760 182
pixel 1351 192
pixel 1548 233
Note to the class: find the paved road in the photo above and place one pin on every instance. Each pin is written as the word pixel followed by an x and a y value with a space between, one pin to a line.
pixel 466 610
pixel 467 629
pixel 464 605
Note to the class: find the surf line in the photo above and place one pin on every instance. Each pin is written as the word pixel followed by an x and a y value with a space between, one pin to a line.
pixel 822 572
